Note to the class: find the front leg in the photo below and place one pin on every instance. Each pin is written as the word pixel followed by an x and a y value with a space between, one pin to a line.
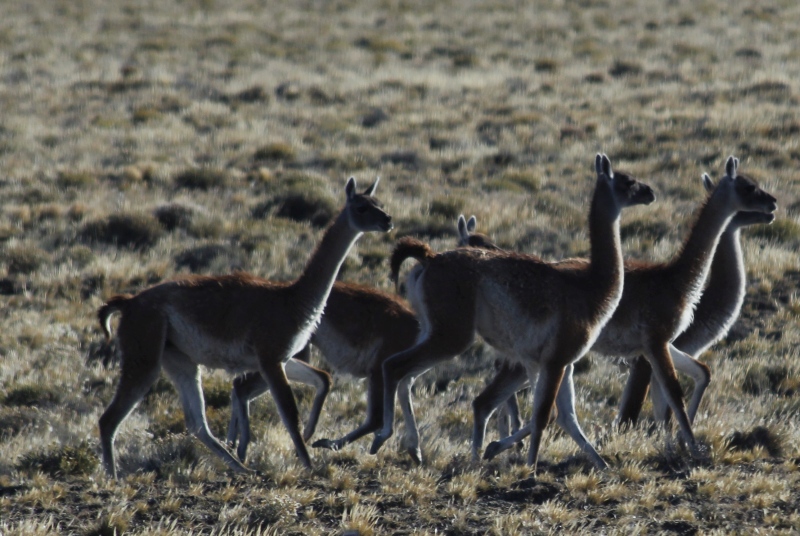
pixel 302 372
pixel 664 372
pixel 508 380
pixel 568 419
pixel 245 388
pixel 275 376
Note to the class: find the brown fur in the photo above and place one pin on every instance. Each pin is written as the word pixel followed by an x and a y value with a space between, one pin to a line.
pixel 554 314
pixel 237 322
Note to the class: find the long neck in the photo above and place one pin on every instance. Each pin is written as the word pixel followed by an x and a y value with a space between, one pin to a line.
pixel 726 284
pixel 722 298
pixel 606 248
pixel 693 263
pixel 314 284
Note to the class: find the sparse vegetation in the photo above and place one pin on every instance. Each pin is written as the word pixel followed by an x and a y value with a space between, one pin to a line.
pixel 221 142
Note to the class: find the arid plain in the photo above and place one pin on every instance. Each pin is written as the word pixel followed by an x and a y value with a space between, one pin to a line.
pixel 144 140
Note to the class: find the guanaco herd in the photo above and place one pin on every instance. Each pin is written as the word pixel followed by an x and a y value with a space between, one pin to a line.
pixel 540 316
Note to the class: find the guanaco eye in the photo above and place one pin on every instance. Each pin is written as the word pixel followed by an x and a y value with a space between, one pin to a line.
pixel 750 188
pixel 361 209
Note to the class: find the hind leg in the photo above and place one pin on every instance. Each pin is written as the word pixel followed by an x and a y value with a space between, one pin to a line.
pixel 185 374
pixel 133 385
pixel 141 357
pixel 634 393
pixel 411 362
pixel 568 419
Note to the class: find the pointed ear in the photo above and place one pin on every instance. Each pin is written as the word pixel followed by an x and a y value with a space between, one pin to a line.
pixel 462 227
pixel 371 190
pixel 606 164
pixel 598 163
pixel 708 183
pixel 350 188
pixel 472 224
pixel 730 167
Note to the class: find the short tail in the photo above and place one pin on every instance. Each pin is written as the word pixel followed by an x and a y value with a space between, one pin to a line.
pixel 116 303
pixel 406 248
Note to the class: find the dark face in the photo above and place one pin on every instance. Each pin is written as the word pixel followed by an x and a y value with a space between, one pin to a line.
pixel 367 214
pixel 752 196
pixel 744 219
pixel 635 192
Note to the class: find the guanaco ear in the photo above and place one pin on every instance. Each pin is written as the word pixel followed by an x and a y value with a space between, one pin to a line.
pixel 462 227
pixel 708 183
pixel 472 224
pixel 730 167
pixel 371 190
pixel 350 188
pixel 604 166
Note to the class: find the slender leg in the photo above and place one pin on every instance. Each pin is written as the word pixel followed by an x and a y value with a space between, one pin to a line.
pixel 543 398
pixel 252 385
pixel 133 385
pixel 699 372
pixel 185 374
pixel 568 420
pixel 411 439
pixel 302 372
pixel 509 379
pixel 245 388
pixel 287 406
pixel 664 371
pixel 141 365
pixel 374 414
pixel 635 392
pixel 412 362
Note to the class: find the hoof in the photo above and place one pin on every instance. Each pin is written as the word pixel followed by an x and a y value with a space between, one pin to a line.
pixel 492 450
pixel 416 454
pixel 325 444
pixel 377 443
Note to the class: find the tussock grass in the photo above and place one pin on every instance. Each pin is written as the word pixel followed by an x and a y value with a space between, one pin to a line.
pixel 222 141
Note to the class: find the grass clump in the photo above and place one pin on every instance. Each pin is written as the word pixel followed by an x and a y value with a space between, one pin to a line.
pixel 61 461
pixel 134 231
pixel 762 379
pixel 760 436
pixel 514 181
pixel 201 179
pixel 75 179
pixel 174 215
pixel 24 259
pixel 275 152
pixel 31 395
pixel 203 257
pixel 310 206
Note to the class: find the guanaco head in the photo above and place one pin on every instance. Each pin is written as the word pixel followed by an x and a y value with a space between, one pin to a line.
pixel 743 218
pixel 364 212
pixel 746 194
pixel 468 237
pixel 627 190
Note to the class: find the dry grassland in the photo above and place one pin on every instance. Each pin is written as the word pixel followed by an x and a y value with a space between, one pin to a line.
pixel 143 140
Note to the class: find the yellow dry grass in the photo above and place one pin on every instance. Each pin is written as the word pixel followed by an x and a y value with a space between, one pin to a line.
pixel 186 119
